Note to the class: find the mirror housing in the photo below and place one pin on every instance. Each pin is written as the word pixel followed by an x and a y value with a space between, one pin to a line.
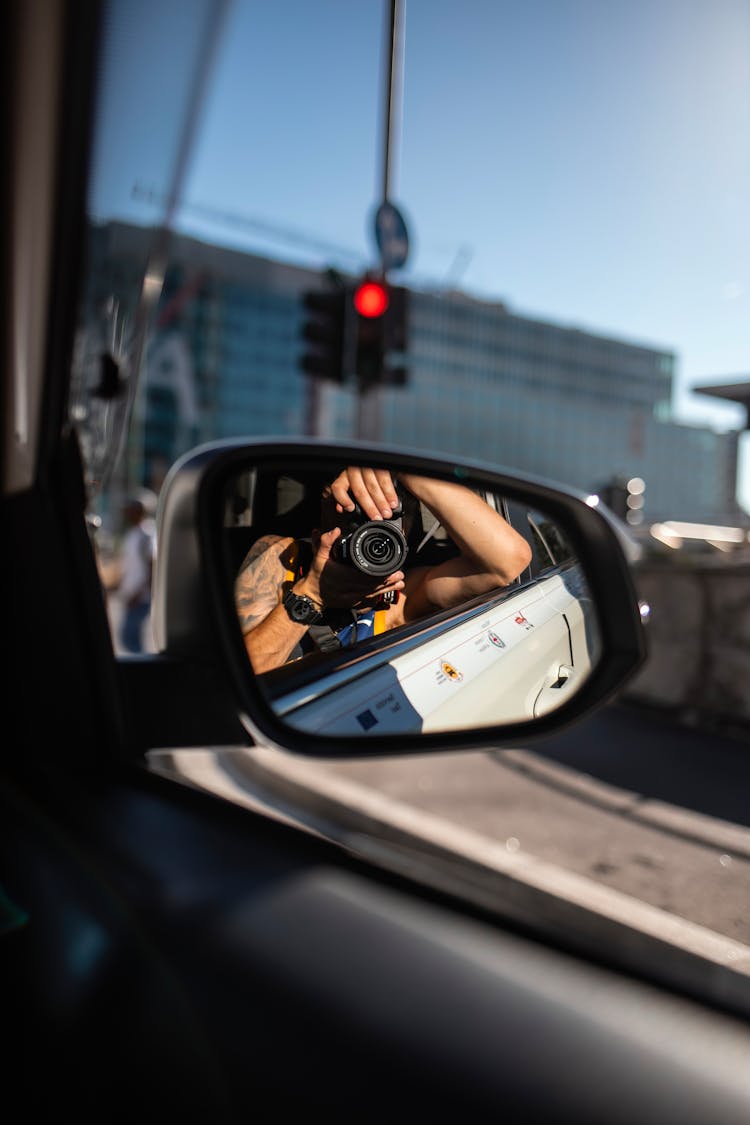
pixel 194 616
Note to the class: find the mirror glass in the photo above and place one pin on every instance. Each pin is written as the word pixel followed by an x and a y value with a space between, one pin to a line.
pixel 375 601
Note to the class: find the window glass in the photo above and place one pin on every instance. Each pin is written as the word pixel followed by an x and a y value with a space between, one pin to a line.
pixel 567 294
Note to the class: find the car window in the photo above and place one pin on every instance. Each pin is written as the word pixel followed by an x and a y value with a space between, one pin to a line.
pixel 570 267
pixel 549 545
pixel 552 545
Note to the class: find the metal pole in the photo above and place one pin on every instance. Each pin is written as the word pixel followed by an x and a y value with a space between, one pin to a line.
pixel 368 398
pixel 389 54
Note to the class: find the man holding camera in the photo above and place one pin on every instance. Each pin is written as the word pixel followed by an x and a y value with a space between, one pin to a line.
pixel 285 601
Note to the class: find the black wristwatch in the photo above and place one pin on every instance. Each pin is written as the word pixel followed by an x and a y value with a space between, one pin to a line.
pixel 301 609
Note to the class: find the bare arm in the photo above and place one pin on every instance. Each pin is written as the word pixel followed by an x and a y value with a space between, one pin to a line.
pixel 492 553
pixel 482 535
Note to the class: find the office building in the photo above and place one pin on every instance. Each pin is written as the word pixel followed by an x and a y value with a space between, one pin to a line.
pixel 484 382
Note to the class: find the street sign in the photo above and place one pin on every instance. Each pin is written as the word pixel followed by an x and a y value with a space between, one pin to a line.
pixel 391 236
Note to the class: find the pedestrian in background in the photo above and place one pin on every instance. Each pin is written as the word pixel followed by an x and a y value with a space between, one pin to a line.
pixel 136 569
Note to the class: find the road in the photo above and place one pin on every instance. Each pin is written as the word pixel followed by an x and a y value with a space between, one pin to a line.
pixel 648 752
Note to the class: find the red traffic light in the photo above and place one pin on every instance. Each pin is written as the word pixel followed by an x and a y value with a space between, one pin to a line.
pixel 371 299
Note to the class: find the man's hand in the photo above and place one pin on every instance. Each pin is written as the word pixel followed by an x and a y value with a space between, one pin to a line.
pixel 372 489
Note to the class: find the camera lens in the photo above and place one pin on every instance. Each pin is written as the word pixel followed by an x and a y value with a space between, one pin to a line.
pixel 377 548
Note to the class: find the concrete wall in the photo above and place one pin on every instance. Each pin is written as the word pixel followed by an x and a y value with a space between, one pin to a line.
pixel 699 642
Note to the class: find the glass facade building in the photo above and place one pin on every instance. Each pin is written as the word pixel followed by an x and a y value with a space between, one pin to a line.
pixel 484 382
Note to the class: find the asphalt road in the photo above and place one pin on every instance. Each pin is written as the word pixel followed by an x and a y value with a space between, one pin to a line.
pixel 648 752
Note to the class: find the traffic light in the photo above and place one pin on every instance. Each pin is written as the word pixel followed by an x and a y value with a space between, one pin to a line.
pixel 397 337
pixel 635 500
pixel 381 336
pixel 626 498
pixel 371 301
pixel 324 330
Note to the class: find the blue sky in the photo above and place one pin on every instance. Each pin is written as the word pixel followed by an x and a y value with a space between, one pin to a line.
pixel 584 161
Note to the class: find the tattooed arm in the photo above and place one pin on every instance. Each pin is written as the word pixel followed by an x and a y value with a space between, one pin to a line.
pixel 270 635
pixel 265 576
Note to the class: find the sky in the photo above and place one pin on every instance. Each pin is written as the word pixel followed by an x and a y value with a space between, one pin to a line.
pixel 585 162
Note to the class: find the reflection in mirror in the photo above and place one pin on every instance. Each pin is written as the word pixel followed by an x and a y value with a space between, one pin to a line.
pixel 376 601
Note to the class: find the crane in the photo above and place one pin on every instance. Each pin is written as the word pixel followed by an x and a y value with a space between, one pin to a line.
pixel 247 223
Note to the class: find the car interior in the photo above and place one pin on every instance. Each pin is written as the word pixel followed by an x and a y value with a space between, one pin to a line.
pixel 170 954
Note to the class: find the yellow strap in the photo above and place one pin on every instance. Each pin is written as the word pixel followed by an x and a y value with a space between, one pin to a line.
pixel 291 575
pixel 378 625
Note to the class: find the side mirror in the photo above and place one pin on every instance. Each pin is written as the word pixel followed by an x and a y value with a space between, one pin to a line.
pixel 513 614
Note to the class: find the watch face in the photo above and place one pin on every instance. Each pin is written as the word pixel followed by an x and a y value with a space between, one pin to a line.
pixel 301 609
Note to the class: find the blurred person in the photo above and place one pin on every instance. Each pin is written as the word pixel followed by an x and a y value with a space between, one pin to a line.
pixel 289 605
pixel 136 568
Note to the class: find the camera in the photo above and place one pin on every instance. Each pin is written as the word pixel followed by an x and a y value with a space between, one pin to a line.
pixel 376 547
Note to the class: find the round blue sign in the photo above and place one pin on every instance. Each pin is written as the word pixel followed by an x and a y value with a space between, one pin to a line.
pixel 391 236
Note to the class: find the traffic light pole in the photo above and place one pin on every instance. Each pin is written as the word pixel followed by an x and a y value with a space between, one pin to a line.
pixel 368 414
pixel 392 49
pixel 312 404
pixel 368 395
